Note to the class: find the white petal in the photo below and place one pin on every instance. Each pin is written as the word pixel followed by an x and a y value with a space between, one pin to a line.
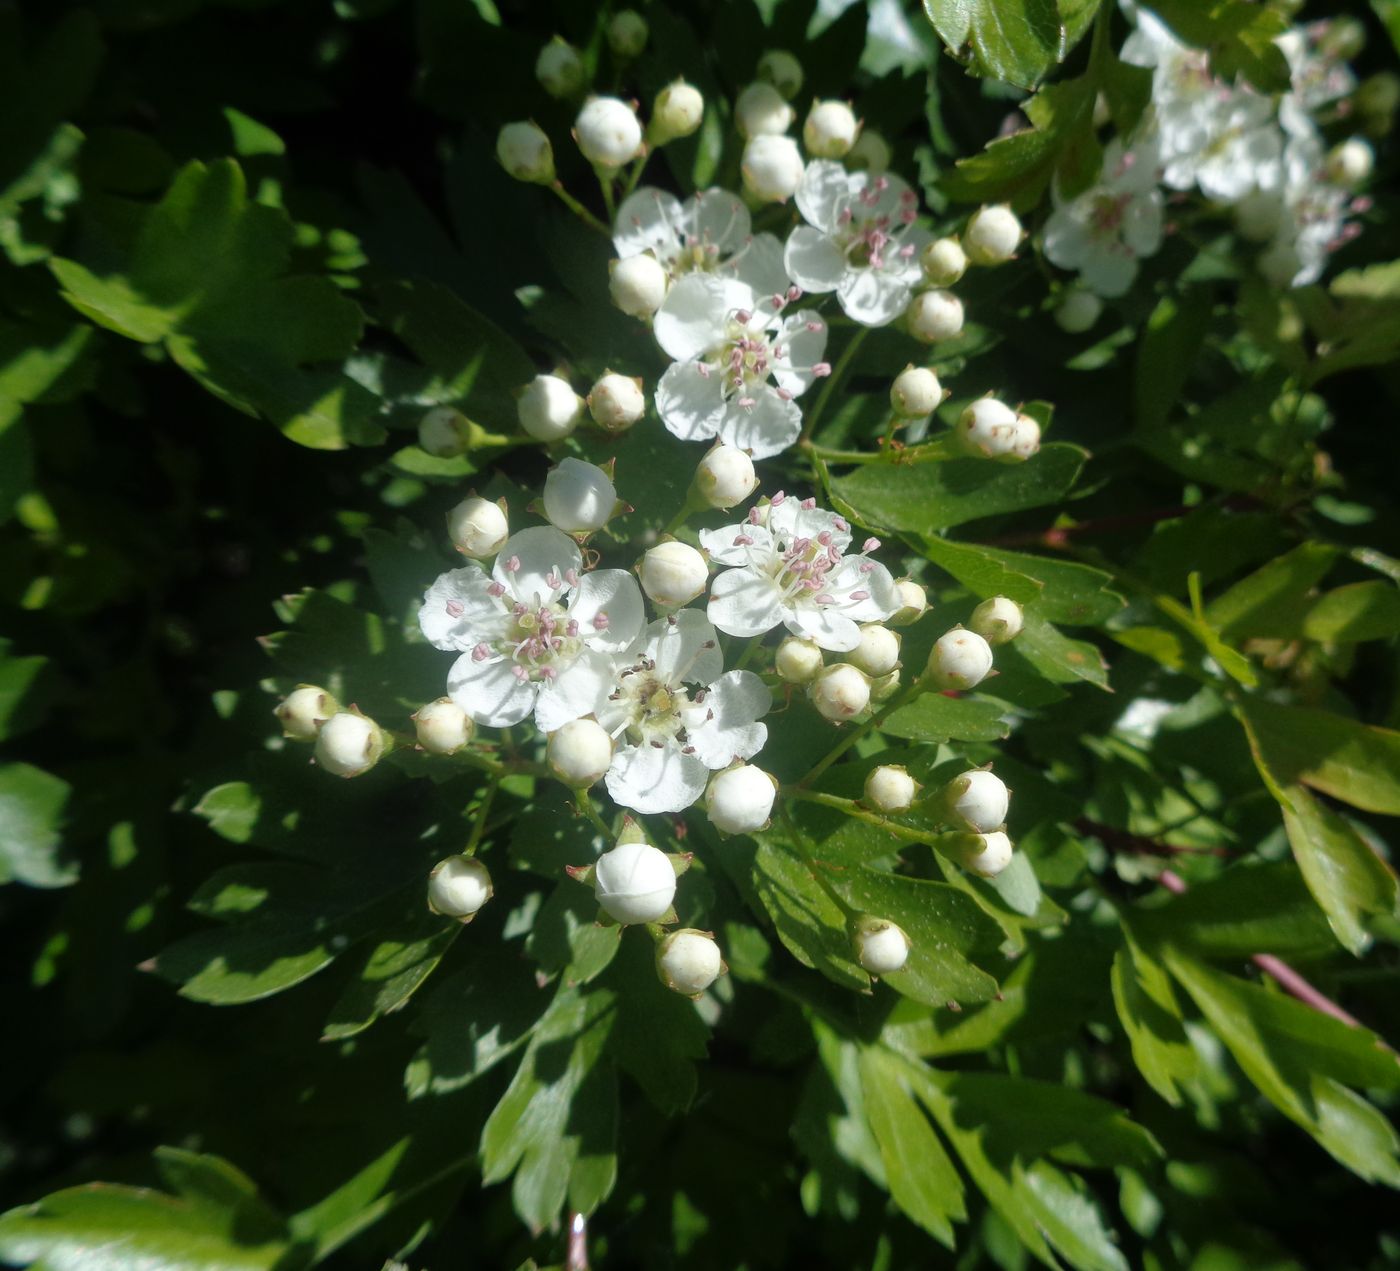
pixel 580 689
pixel 743 603
pixel 737 700
pixel 653 779
pixel 679 649
pixel 613 592
pixel 759 263
pixel 691 319
pixel 826 625
pixel 690 400
pixel 813 261
pixel 883 599
pixel 480 617
pixel 826 188
pixel 766 428
pixel 647 221
pixel 539 553
pixel 1109 273
pixel 723 550
pixel 489 691
pixel 873 297
pixel 1142 225
pixel 716 216
pixel 802 350
pixel 1066 237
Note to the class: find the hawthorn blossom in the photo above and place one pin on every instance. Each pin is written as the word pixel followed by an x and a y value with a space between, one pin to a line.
pixel 1318 73
pixel 710 233
pixel 729 341
pixel 791 566
pixel 860 241
pixel 525 628
pixel 1105 231
pixel 674 713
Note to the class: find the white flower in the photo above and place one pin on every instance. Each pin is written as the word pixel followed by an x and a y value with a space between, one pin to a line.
pixel 798 660
pixel 935 315
pixel 943 261
pixel 548 408
pixel 986 855
pixel 859 242
pixel 772 168
pixel 839 692
pixel 959 659
pixel 444 432
pixel 617 402
pixel 729 342
pixel 677 112
pixel 1317 63
pixel 477 527
pixel 673 574
pixel 711 233
pixel 637 284
pixel 987 428
pixel 978 799
pixel 442 727
pixel 992 235
pixel 1105 231
pixel 877 653
pixel 915 392
pixel 740 799
pixel 890 788
pixel 760 109
pixel 304 710
pixel 608 133
pixel 830 130
pixel 725 476
pixel 688 961
pixel 791 567
pixel 997 620
pixel 349 744
pixel 634 882
pixel 913 603
pixel 882 948
pixel 458 887
pixel 524 151
pixel 526 626
pixel 1026 439
pixel 579 753
pixel 579 497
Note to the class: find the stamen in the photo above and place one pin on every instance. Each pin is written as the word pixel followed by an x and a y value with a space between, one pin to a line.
pixel 870 545
pixel 513 565
pixel 481 653
pixel 807 504
pixel 860 595
pixel 455 609
pixel 496 589
pixel 600 622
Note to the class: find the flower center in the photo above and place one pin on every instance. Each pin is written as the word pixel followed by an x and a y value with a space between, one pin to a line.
pixel 870 237
pixel 1106 216
pixel 541 641
pixel 652 710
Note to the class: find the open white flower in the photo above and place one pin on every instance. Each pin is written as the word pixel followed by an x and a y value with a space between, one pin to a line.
pixel 525 628
pixel 860 241
pixel 1104 232
pixel 710 233
pixel 669 737
pixel 791 567
pixel 730 342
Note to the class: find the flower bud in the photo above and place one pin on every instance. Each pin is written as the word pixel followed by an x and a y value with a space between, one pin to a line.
pixel 944 262
pixel 740 799
pixel 444 432
pixel 627 34
pixel 772 168
pixel 1341 38
pixel 913 603
pixel 877 653
pixel 458 887
pixel 524 152
pixel 871 153
pixel 634 882
pixel 580 753
pixel 688 961
pixel 881 947
pixel 477 527
pixel 840 691
pixel 798 660
pixel 915 392
pixel 348 744
pixel 992 235
pixel 578 497
pixel 442 727
pixel 673 574
pixel 608 133
pixel 1025 441
pixel 760 110
pixel 1376 99
pixel 617 402
pixel 559 68
pixel 725 476
pixel 677 112
pixel 1350 163
pixel 637 285
pixel 779 68
pixel 1257 217
pixel 1078 310
pixel 890 788
pixel 885 687
pixel 934 316
pixel 986 855
pixel 998 620
pixel 987 428
pixel 959 659
pixel 830 130
pixel 304 710
pixel 977 799
pixel 549 409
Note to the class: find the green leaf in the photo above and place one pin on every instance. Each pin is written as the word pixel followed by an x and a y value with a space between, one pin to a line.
pixel 1057 657
pixel 934 717
pixel 1058 590
pixel 32 806
pixel 1356 612
pixel 27 688
pixel 1272 600
pixel 1017 41
pixel 1147 1007
pixel 1166 354
pixel 1239 35
pixel 1357 321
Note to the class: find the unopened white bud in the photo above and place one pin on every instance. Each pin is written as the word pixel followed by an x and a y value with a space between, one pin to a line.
pixel 890 788
pixel 913 603
pixel 688 961
pixel 1078 310
pixel 673 574
pixel 1258 215
pixel 944 261
pixel 740 799
pixel 1026 441
pixel 348 744
pixel 935 315
pixel 617 402
pixel 915 392
pixel 524 151
pixel 798 660
pixel 444 432
pixel 559 69
pixel 634 882
pixel 580 753
pixel 871 153
pixel 579 497
pixel 881 947
pixel 477 527
pixel 627 33
pixel 977 799
pixel 998 620
pixel 442 727
pixel 549 409
pixel 830 130
pixel 725 476
pixel 677 112
pixel 779 68
pixel 840 692
pixel 304 710
pixel 877 653
pixel 637 285
pixel 1350 163
pixel 458 887
pixel 987 428
pixel 959 659
pixel 608 132
pixel 760 110
pixel 992 235
pixel 986 855
pixel 772 168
